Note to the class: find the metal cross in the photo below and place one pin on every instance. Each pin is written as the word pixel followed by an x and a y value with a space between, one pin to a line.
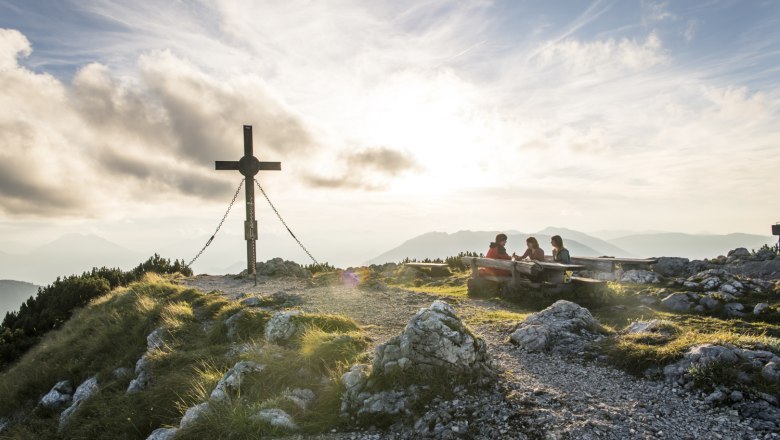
pixel 248 166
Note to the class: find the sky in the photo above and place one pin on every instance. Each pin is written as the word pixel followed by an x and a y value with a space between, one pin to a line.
pixel 390 118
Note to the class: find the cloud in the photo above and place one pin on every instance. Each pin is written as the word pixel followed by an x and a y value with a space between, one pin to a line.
pixel 154 136
pixel 368 169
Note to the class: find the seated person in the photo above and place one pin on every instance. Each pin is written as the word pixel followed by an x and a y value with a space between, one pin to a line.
pixel 560 253
pixel 534 252
pixel 497 251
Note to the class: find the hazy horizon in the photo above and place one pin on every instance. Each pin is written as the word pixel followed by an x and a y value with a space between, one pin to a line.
pixel 391 119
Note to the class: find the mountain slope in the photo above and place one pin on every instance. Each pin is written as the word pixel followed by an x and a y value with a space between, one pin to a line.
pixel 14 293
pixel 605 247
pixel 688 245
pixel 69 254
pixel 442 244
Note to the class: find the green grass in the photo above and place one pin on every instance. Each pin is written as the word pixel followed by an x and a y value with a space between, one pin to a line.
pixel 485 316
pixel 111 332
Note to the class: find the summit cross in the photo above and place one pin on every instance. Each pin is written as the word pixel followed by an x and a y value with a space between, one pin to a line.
pixel 249 166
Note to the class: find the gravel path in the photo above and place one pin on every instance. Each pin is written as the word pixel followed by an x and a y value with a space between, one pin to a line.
pixel 539 396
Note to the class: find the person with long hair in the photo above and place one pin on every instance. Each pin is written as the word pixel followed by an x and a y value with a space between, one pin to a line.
pixel 533 252
pixel 560 253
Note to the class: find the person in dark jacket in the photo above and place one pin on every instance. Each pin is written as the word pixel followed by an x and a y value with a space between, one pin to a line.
pixel 534 252
pixel 560 253
pixel 497 251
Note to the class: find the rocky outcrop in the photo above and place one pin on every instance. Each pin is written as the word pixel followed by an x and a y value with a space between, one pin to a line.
pixel 87 389
pixel 435 343
pixel 434 338
pixel 655 326
pixel 277 418
pixel 640 277
pixel 193 414
pixel 163 434
pixel 747 366
pixel 564 327
pixel 672 266
pixel 678 302
pixel 278 267
pixel 281 328
pixel 59 395
pixel 143 376
pixel 231 381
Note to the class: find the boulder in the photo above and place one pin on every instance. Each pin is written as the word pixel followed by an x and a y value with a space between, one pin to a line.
pixel 60 394
pixel 677 302
pixel 434 342
pixel 277 418
pixel 656 326
pixel 193 414
pixel 143 375
pixel 640 277
pixel 87 389
pixel 163 434
pixel 564 327
pixel 231 380
pixel 300 397
pixel 738 252
pixel 710 303
pixel 156 339
pixel 434 337
pixel 761 308
pixel 231 323
pixel 281 327
pixel 278 267
pixel 671 266
pixel 734 309
pixel 744 361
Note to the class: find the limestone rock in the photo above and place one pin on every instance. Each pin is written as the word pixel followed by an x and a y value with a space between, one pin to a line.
pixel 640 277
pixel 301 397
pixel 434 337
pixel 744 361
pixel 278 267
pixel 761 308
pixel 281 327
pixel 734 309
pixel 276 418
pixel 193 414
pixel 60 394
pixel 87 389
pixel 143 376
pixel 231 324
pixel 231 381
pixel 564 327
pixel 156 339
pixel 671 266
pixel 652 326
pixel 677 302
pixel 163 434
pixel 435 341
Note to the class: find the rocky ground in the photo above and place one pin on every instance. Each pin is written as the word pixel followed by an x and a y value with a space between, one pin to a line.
pixel 538 394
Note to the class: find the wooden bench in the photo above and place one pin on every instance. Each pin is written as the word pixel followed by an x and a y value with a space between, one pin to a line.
pixel 540 271
pixel 610 265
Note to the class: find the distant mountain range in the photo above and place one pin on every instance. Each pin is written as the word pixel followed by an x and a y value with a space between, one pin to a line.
pixel 69 254
pixel 646 244
pixel 13 294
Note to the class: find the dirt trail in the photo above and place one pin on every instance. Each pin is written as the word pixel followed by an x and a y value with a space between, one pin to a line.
pixel 561 398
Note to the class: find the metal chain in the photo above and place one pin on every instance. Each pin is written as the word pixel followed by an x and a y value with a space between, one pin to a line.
pixel 285 224
pixel 232 202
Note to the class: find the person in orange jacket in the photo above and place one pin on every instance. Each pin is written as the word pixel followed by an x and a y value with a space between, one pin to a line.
pixel 497 251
